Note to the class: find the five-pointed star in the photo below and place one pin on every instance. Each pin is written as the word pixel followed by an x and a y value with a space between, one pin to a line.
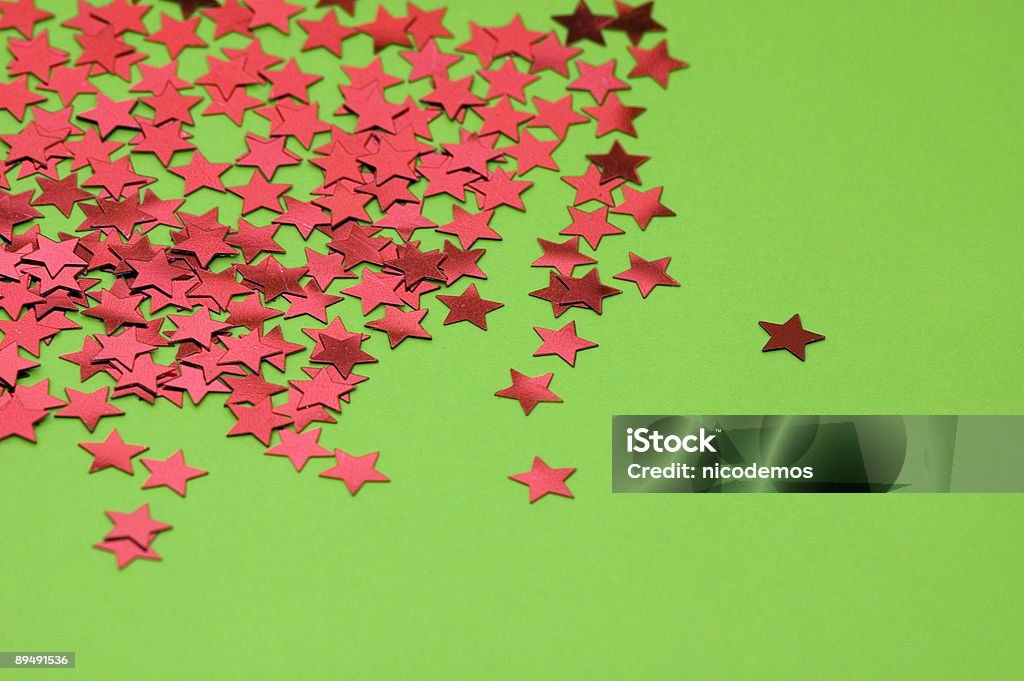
pixel 647 274
pixel 529 390
pixel 791 336
pixel 355 471
pixel 583 24
pixel 89 407
pixel 564 342
pixel 469 307
pixel 171 472
pixel 543 480
pixel 113 452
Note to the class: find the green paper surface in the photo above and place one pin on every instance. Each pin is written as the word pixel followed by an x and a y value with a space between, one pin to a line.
pixel 858 164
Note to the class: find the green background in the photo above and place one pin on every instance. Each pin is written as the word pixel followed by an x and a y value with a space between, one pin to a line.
pixel 859 164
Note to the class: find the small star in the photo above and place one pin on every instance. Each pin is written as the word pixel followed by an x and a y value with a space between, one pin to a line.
pixel 564 342
pixel 469 307
pixel 399 325
pixel 617 164
pixel 543 480
pixel 112 453
pixel 89 407
pixel 171 472
pixel 355 471
pixel 583 24
pixel 529 390
pixel 299 447
pixel 790 336
pixel 655 63
pixel 647 274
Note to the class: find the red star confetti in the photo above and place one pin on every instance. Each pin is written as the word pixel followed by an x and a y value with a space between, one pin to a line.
pixel 171 472
pixel 564 342
pixel 399 325
pixel 655 63
pixel 89 407
pixel 132 536
pixel 469 307
pixel 355 471
pixel 86 235
pixel 647 274
pixel 529 390
pixel 299 447
pixel 112 453
pixel 583 24
pixel 543 480
pixel 790 336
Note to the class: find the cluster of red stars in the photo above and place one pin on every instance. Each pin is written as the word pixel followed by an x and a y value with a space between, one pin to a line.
pixel 381 156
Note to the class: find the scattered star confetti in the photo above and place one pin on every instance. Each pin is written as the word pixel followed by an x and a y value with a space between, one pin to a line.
pixel 99 216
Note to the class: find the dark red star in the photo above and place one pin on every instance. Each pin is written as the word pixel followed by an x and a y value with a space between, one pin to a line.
pixel 343 354
pixel 583 24
pixel 188 7
pixel 587 291
pixel 635 21
pixel 791 336
pixel 617 164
